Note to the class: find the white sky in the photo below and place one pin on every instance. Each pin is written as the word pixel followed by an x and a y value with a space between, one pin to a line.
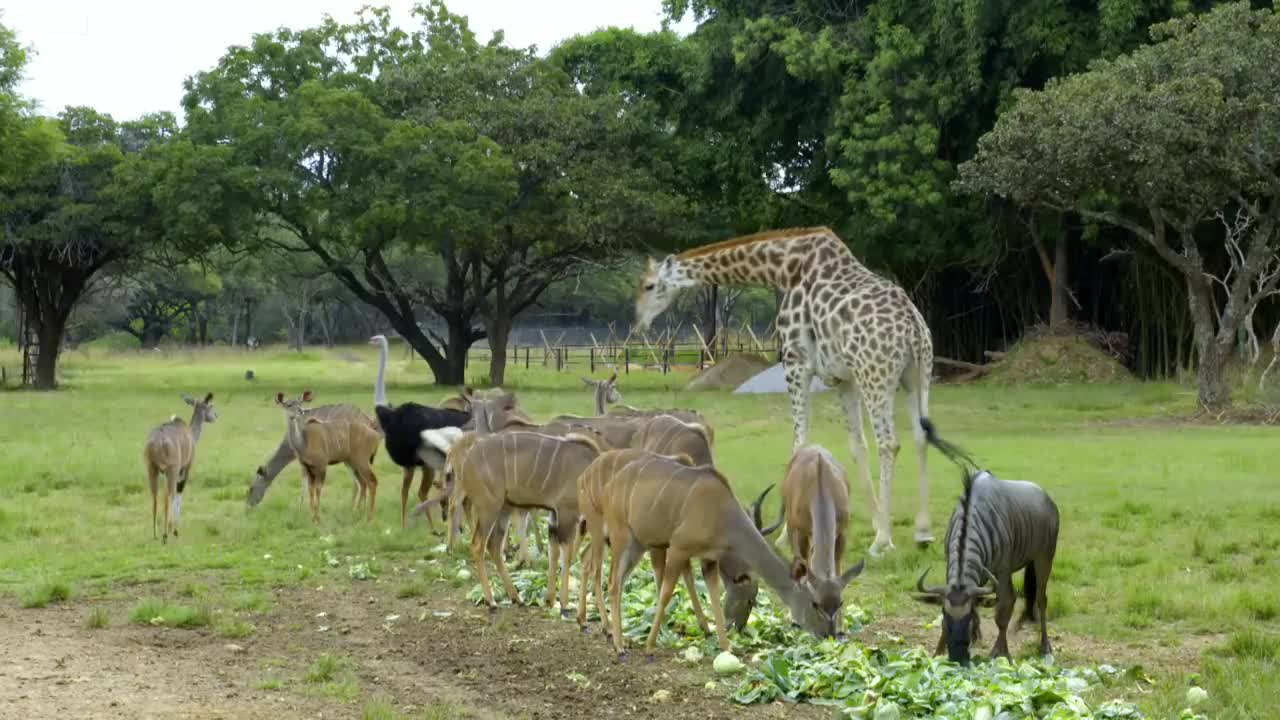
pixel 129 57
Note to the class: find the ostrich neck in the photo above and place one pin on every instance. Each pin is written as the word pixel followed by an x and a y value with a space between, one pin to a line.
pixel 380 388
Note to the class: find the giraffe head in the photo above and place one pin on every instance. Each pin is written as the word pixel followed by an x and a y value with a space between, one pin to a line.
pixel 659 286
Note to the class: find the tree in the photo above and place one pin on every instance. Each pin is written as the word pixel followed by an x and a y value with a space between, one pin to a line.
pixel 1177 143
pixel 343 178
pixel 157 299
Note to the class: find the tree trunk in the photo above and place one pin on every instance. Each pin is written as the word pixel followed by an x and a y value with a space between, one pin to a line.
pixel 1059 315
pixel 499 330
pixel 1214 393
pixel 235 325
pixel 52 327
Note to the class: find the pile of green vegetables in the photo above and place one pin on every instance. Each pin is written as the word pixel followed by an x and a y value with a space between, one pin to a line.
pixel 862 681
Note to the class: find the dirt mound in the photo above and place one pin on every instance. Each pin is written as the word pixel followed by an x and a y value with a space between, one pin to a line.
pixel 1056 361
pixel 730 372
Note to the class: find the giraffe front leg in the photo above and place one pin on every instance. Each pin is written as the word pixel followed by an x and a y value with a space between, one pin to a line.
pixel 799 377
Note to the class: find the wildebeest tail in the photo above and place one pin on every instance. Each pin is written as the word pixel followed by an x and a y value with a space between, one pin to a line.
pixel 955 454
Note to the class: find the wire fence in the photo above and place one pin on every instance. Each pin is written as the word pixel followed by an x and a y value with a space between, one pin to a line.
pixel 629 354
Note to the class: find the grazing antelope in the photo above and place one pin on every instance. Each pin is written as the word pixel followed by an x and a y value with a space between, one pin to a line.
pixel 669 435
pixel 319 443
pixel 691 512
pixel 815 507
pixel 505 471
pixel 283 454
pixel 171 449
pixel 997 528
pixel 593 484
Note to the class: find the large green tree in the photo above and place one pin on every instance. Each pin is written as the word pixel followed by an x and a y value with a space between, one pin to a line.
pixel 376 146
pixel 860 113
pixel 1177 143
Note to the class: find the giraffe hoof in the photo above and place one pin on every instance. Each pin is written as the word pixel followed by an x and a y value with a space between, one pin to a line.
pixel 879 550
pixel 565 613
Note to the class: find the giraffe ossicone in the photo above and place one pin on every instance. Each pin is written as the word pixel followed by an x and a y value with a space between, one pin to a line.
pixel 857 331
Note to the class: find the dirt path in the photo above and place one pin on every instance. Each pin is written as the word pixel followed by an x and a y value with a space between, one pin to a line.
pixel 525 665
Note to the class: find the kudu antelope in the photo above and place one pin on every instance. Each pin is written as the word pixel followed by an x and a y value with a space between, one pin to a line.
pixel 997 528
pixel 283 455
pixel 319 443
pixel 593 484
pixel 691 512
pixel 815 507
pixel 505 471
pixel 170 450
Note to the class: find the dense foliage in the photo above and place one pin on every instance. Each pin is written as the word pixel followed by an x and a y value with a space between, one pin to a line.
pixel 362 177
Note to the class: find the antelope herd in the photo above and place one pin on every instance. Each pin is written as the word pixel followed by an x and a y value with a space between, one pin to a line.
pixel 635 482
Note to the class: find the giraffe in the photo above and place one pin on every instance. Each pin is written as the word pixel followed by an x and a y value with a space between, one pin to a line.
pixel 857 331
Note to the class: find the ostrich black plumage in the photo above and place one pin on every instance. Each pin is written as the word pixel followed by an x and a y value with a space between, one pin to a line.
pixel 402 427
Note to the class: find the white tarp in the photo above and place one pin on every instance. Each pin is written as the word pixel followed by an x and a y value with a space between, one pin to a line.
pixel 774 380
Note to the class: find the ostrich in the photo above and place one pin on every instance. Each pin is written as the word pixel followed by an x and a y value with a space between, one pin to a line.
pixel 402 427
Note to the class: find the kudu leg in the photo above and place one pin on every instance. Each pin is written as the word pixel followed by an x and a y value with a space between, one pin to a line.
pixel 497 538
pixel 479 542
pixel 623 559
pixel 711 574
pixel 675 563
pixel 567 554
pixel 553 569
pixel 153 479
pixel 371 482
pixel 658 558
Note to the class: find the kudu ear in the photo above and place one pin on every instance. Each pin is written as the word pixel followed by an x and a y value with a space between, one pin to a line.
pixel 208 398
pixel 848 575
pixel 799 570
pixel 588 383
pixel 187 399
pixel 613 378
pixel 279 398
pixel 306 396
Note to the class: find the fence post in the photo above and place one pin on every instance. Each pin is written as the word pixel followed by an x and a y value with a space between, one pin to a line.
pixel 526 357
pixel 593 361
pixel 559 366
pixel 626 360
pixel 666 354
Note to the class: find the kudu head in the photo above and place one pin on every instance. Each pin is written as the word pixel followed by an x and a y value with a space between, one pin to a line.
pixel 491 414
pixel 826 595
pixel 815 602
pixel 959 603
pixel 204 411
pixel 293 408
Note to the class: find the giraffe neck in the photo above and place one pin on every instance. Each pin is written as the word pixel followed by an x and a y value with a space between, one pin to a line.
pixel 773 259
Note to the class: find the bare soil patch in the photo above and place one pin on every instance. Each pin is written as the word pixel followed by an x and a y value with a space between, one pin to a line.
pixel 526 664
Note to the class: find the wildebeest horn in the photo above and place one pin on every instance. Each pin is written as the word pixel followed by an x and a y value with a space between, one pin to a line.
pixel 938 590
pixel 759 521
pixel 984 591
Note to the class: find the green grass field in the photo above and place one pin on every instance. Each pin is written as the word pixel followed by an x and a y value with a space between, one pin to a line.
pixel 1167 556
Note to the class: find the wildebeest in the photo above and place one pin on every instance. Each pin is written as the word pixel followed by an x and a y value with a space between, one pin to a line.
pixel 998 528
